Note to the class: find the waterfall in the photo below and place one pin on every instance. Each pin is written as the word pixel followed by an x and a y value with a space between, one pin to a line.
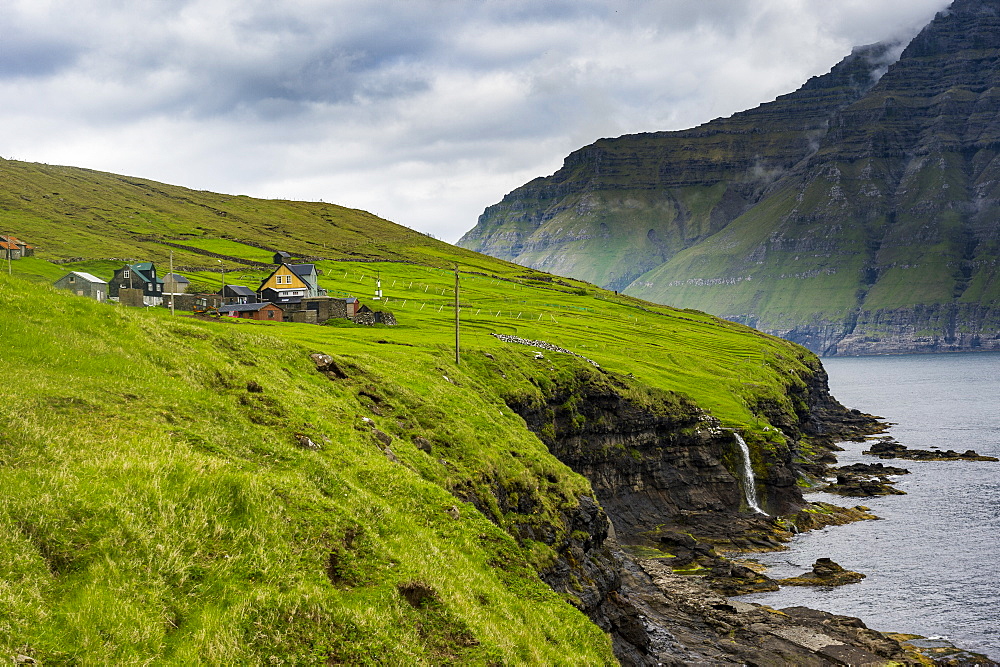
pixel 749 484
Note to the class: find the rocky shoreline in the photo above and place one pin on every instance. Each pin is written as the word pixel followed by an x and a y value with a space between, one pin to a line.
pixel 680 596
pixel 698 580
pixel 666 542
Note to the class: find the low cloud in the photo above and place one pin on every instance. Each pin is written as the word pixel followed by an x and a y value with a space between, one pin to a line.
pixel 424 112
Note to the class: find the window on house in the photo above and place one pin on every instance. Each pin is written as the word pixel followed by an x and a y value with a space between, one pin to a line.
pixel 126 274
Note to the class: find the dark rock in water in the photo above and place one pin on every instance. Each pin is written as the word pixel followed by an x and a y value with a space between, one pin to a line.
pixel 887 448
pixel 863 486
pixel 819 515
pixel 824 573
pixel 943 652
pixel 873 469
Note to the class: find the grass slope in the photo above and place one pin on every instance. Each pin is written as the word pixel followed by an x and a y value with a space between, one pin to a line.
pixel 159 506
pixel 69 212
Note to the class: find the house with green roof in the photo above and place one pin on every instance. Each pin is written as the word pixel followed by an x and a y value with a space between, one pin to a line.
pixel 140 280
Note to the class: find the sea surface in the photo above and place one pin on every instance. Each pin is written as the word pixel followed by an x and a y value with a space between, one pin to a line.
pixel 932 560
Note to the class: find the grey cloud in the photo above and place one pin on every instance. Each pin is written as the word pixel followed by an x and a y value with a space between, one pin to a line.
pixel 423 111
pixel 27 55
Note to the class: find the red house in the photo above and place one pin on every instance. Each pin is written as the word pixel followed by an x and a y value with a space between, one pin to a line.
pixel 267 312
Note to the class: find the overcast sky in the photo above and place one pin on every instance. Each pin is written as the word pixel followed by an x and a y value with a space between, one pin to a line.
pixel 421 111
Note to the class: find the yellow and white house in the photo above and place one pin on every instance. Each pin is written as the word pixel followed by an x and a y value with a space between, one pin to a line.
pixel 291 281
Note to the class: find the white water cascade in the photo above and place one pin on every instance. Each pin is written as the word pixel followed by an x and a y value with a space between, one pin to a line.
pixel 749 484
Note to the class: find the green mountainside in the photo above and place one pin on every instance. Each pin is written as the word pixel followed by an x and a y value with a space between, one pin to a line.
pixel 184 490
pixel 856 215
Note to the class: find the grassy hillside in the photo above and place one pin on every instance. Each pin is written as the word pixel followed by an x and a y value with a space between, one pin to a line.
pixel 722 365
pixel 69 212
pixel 157 505
pixel 159 502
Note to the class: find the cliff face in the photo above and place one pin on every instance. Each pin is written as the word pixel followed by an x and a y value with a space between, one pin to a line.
pixel 652 462
pixel 659 463
pixel 648 465
pixel 855 215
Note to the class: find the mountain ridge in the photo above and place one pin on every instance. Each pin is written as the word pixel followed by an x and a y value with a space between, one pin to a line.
pixel 855 215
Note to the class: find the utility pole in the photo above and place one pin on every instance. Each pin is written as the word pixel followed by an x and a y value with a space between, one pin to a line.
pixel 456 314
pixel 173 288
pixel 222 294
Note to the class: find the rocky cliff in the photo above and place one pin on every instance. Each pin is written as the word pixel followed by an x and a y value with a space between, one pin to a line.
pixel 856 215
pixel 663 468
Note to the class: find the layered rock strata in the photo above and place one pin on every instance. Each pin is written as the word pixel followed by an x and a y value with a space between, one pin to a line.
pixel 857 215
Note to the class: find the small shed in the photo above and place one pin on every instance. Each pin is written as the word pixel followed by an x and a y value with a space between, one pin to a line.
pixel 267 312
pixel 10 250
pixel 84 284
pixel 346 307
pixel 175 283
pixel 238 294
pixel 14 248
pixel 281 257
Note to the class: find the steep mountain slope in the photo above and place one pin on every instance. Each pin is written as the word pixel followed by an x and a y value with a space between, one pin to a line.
pixel 856 215
pixel 184 490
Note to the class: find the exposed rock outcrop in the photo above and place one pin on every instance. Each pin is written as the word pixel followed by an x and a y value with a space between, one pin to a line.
pixel 887 448
pixel 666 474
pixel 824 573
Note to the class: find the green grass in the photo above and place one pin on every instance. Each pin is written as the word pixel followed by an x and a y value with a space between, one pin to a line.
pixel 159 508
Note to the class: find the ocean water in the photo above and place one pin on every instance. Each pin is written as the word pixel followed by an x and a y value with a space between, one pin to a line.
pixel 932 560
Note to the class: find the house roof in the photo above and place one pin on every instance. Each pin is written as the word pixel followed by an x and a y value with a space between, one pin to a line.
pixel 245 307
pixel 143 269
pixel 239 290
pixel 176 278
pixel 86 276
pixel 302 270
pixel 9 246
